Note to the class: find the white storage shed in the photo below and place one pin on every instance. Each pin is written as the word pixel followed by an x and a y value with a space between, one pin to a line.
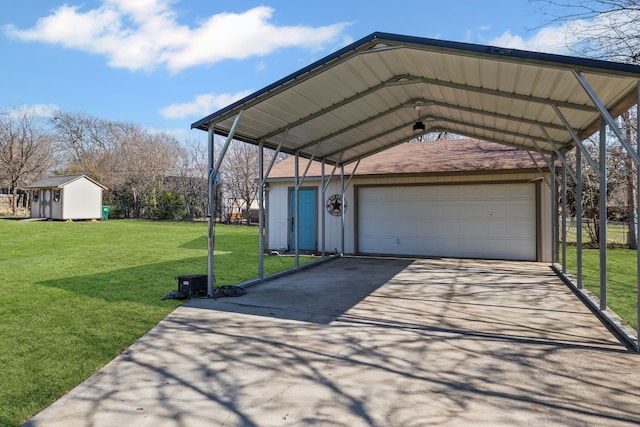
pixel 69 197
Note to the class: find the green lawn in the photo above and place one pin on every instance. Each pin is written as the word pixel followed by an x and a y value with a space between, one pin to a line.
pixel 617 234
pixel 76 294
pixel 621 278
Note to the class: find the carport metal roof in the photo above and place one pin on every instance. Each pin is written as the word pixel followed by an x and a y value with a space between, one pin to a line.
pixel 366 97
pixel 362 99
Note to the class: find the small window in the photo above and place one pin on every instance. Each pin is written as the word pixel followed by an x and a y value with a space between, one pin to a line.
pixel 56 195
pixel 36 195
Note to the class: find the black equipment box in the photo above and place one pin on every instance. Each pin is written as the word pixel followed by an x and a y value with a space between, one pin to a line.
pixel 193 285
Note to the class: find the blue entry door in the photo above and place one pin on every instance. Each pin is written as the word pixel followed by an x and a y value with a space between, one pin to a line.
pixel 307 221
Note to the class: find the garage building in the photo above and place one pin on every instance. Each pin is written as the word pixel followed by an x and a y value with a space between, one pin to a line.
pixel 451 198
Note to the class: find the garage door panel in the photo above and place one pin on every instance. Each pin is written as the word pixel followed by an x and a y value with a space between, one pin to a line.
pixel 471 211
pixel 449 211
pixel 444 192
pixel 474 221
pixel 520 209
pixel 469 193
pixel 497 191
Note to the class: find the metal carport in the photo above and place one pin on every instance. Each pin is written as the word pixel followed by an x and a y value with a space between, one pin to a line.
pixel 375 93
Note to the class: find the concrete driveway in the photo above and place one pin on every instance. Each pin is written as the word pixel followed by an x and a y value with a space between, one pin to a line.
pixel 371 342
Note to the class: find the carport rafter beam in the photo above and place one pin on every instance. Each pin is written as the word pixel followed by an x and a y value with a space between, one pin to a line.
pixel 607 117
pixel 410 79
pixel 497 115
pixel 486 128
pixel 353 172
pixel 577 140
pixel 342 150
pixel 327 110
pixel 425 102
pixel 484 138
pixel 276 153
pixel 429 117
pixel 535 162
pixel 402 140
pixel 547 162
pixel 354 126
pixel 306 170
pixel 380 149
pixel 333 171
pixel 563 158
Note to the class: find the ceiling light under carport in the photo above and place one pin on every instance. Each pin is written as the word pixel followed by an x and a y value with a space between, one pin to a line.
pixel 418 126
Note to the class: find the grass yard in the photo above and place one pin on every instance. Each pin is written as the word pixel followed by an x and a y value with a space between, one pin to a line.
pixel 616 233
pixel 621 278
pixel 76 294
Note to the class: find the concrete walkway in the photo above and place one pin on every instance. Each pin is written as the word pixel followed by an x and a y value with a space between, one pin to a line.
pixel 371 342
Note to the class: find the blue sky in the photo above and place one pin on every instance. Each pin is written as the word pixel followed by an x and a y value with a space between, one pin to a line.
pixel 164 64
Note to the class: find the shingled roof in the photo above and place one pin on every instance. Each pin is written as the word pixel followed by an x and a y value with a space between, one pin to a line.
pixel 432 157
pixel 61 181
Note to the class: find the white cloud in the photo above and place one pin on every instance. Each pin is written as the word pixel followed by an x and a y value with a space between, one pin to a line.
pixel 201 105
pixel 145 34
pixel 567 37
pixel 35 110
pixel 556 39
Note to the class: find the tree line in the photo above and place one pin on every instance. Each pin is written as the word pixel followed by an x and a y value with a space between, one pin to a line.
pixel 148 174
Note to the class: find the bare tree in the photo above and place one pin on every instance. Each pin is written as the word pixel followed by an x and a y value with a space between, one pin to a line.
pixel 606 29
pixel 132 162
pixel 616 174
pixel 191 178
pixel 26 150
pixel 240 176
pixel 86 142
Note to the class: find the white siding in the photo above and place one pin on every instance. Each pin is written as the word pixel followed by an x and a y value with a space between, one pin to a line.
pixel 81 199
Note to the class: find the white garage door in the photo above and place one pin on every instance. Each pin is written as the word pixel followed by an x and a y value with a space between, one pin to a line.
pixel 492 221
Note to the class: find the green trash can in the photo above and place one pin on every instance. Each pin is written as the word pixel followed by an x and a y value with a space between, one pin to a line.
pixel 105 212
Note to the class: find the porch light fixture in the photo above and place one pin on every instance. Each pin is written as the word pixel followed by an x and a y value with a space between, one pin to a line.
pixel 418 126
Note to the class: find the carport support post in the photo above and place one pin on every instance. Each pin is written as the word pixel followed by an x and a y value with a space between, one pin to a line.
pixel 213 172
pixel 296 210
pixel 261 211
pixel 211 208
pixel 603 216
pixel 554 211
pixel 322 209
pixel 637 218
pixel 579 218
pixel 564 212
pixel 342 213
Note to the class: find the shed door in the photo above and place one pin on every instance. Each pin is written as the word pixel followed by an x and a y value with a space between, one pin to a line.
pixel 492 221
